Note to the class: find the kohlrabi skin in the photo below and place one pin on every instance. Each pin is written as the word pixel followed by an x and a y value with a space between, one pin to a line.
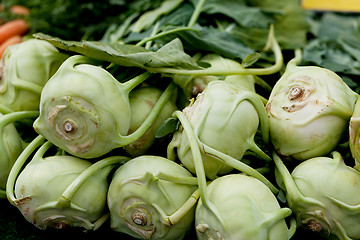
pixel 24 70
pixel 246 209
pixel 11 143
pixel 86 111
pixel 309 109
pixel 354 133
pixel 142 101
pixel 82 107
pixel 150 197
pixel 324 195
pixel 199 83
pixel 222 110
pixel 62 191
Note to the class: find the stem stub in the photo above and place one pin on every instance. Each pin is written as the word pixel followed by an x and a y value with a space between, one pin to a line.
pixel 138 218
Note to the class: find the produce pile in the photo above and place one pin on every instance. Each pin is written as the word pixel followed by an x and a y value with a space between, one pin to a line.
pixel 199 119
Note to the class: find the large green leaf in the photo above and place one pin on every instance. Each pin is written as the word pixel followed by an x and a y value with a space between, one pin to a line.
pixel 170 55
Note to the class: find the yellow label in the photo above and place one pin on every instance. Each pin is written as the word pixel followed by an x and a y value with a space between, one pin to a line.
pixel 332 5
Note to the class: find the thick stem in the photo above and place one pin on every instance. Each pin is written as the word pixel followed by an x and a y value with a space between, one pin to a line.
pixel 198 162
pixel 293 194
pixel 138 133
pixel 177 179
pixel 162 34
pixel 134 82
pixel 292 228
pixel 38 156
pixel 196 13
pixel 5 109
pixel 230 161
pixel 188 205
pixel 275 217
pixel 29 86
pixel 258 151
pixel 71 190
pixel 153 33
pixel 16 116
pixel 15 170
pixel 258 104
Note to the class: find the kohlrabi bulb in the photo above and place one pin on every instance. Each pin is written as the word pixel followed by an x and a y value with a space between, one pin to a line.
pixel 199 83
pixel 354 133
pixel 246 209
pixel 324 195
pixel 142 101
pixel 144 195
pixel 309 109
pixel 11 146
pixel 24 70
pixel 84 109
pixel 226 118
pixel 39 188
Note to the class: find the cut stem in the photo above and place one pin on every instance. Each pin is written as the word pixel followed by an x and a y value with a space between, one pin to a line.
pixel 188 205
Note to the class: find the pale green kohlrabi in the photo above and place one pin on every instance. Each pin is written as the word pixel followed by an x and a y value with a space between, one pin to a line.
pixel 221 68
pixel 86 111
pixel 151 197
pixel 11 144
pixel 24 70
pixel 142 101
pixel 309 110
pixel 354 132
pixel 324 195
pixel 60 191
pixel 246 209
pixel 226 118
pixel 199 83
pixel 215 218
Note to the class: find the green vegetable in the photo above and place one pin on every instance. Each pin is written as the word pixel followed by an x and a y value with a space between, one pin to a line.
pixel 142 101
pixel 151 197
pixel 309 109
pixel 11 144
pixel 323 193
pixel 354 128
pixel 221 110
pixel 247 210
pixel 25 68
pixel 60 191
pixel 86 111
pixel 170 55
pixel 196 145
pixel 198 83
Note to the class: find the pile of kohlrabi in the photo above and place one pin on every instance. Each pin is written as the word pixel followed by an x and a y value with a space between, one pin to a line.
pixel 173 126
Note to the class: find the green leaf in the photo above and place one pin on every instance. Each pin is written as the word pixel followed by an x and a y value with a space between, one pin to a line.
pixel 250 59
pixel 149 17
pixel 169 126
pixel 210 39
pixel 240 11
pixel 170 55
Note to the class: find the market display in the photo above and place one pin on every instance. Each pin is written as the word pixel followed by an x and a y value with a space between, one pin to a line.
pixel 176 119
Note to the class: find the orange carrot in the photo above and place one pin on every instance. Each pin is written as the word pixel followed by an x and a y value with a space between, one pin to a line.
pixel 20 10
pixel 10 41
pixel 12 28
